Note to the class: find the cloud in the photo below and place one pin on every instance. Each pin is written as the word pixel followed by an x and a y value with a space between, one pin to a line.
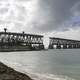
pixel 19 13
pixel 74 20
pixel 70 34
pixel 39 15
pixel 76 9
pixel 53 14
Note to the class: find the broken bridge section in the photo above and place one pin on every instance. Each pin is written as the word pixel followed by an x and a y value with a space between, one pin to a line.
pixel 11 40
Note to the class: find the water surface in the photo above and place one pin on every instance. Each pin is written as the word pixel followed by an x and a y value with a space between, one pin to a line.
pixel 46 65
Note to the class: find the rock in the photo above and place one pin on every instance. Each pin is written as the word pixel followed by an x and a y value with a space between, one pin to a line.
pixel 8 73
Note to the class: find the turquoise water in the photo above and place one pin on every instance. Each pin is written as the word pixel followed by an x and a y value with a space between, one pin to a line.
pixel 46 65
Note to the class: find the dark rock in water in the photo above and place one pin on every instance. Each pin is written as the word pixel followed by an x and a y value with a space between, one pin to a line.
pixel 7 73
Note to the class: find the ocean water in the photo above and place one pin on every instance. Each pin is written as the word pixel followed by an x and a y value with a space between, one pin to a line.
pixel 63 64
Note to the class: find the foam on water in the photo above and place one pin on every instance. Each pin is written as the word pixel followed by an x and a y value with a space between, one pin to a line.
pixel 38 76
pixel 34 75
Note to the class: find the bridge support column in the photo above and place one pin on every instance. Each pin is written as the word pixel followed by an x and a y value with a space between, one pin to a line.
pixel 74 46
pixel 69 46
pixel 78 46
pixel 58 46
pixel 51 47
pixel 41 46
pixel 29 45
pixel 64 46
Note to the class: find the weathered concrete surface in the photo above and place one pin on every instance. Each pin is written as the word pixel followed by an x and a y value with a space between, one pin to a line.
pixel 7 73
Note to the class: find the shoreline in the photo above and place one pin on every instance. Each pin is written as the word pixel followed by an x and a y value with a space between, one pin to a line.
pixel 8 73
pixel 17 50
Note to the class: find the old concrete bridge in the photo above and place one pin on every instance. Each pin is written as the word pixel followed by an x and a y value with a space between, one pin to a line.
pixel 60 43
pixel 20 40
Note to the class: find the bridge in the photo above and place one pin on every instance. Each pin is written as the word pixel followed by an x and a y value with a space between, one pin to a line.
pixel 61 43
pixel 20 40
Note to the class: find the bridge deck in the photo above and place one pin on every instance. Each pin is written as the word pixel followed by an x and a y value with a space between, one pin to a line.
pixel 63 43
pixel 21 34
pixel 20 41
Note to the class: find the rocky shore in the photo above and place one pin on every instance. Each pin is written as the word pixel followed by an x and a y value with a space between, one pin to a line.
pixel 8 73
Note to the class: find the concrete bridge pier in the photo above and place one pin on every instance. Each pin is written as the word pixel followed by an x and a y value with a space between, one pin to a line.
pixel 51 46
pixel 58 46
pixel 41 46
pixel 74 46
pixel 64 46
pixel 70 46
pixel 78 46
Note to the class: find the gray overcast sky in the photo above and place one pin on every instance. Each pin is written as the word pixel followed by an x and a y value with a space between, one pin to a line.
pixel 40 15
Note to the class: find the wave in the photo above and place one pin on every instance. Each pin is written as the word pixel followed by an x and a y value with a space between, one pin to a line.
pixel 38 76
pixel 34 75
